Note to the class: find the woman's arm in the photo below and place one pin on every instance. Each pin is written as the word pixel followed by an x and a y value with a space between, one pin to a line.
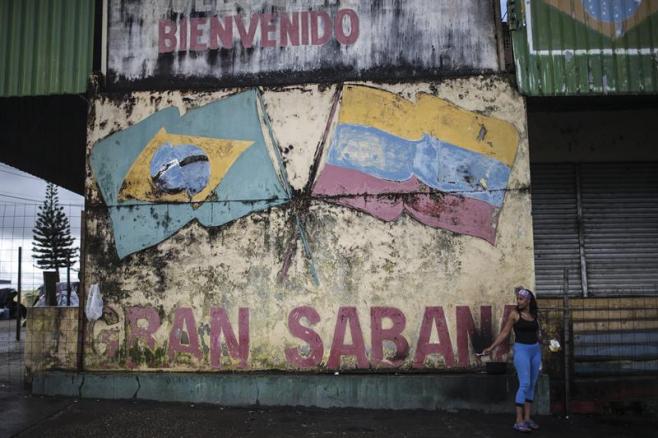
pixel 504 333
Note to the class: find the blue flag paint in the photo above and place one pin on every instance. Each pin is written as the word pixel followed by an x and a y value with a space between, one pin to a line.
pixel 437 164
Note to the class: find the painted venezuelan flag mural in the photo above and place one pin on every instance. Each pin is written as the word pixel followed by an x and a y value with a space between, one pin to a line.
pixel 446 167
pixel 211 165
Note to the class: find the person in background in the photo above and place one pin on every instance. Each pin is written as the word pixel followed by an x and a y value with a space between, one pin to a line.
pixel 527 354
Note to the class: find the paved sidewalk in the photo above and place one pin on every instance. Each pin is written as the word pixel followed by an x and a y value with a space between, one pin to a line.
pixel 20 410
pixel 29 416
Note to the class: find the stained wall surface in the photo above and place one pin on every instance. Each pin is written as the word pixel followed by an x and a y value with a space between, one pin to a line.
pixel 306 228
pixel 51 339
pixel 212 43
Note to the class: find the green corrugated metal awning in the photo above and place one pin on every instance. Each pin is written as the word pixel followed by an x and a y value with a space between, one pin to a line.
pixel 585 47
pixel 46 46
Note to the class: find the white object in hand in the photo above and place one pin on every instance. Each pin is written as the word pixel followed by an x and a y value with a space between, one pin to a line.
pixel 554 346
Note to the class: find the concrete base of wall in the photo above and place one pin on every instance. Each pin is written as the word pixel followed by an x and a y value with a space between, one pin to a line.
pixel 480 392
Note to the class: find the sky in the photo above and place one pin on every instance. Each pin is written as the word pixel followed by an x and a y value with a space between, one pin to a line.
pixel 503 9
pixel 20 196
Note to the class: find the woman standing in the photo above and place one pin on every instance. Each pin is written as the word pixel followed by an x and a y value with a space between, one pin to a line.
pixel 527 354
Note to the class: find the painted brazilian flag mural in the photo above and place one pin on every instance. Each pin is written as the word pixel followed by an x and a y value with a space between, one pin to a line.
pixel 576 47
pixel 211 165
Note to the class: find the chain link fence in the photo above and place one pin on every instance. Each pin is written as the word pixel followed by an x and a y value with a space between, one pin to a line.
pixel 21 283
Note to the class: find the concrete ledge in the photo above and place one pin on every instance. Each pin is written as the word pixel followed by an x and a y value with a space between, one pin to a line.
pixel 480 392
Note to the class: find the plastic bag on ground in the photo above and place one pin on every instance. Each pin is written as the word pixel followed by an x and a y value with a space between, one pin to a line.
pixel 94 307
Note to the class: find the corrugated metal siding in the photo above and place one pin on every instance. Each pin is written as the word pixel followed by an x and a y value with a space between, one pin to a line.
pixel 46 46
pixel 555 227
pixel 559 49
pixel 619 216
pixel 620 206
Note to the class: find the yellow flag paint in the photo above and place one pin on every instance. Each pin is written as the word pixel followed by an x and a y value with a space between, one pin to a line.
pixel 432 116
pixel 221 155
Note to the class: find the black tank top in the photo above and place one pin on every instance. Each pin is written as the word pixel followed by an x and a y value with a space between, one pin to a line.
pixel 525 332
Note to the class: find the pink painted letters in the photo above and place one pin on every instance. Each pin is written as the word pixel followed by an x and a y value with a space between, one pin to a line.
pixel 238 348
pixel 389 347
pixel 393 334
pixel 434 316
pixel 260 30
pixel 184 327
pixel 293 356
pixel 347 316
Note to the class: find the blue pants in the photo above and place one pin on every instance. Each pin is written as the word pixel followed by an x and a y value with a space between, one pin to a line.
pixel 527 360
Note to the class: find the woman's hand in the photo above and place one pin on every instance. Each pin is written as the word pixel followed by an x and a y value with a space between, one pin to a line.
pixel 504 333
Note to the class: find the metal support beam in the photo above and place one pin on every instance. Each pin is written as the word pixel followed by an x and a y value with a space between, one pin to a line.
pixel 581 232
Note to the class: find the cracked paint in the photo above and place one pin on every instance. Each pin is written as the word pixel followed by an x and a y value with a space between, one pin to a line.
pixel 449 288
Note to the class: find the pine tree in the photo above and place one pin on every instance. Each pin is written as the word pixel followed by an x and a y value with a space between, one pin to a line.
pixel 52 242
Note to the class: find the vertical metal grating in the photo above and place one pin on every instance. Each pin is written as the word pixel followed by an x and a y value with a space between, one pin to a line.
pixel 620 206
pixel 46 46
pixel 555 227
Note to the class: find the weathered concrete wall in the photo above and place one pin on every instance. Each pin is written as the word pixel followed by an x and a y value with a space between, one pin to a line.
pixel 475 392
pixel 405 260
pixel 51 339
pixel 157 44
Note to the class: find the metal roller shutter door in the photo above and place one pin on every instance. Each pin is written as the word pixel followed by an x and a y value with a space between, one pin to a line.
pixel 619 227
pixel 620 209
pixel 555 227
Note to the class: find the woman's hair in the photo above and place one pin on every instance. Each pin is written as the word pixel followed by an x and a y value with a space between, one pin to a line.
pixel 532 307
